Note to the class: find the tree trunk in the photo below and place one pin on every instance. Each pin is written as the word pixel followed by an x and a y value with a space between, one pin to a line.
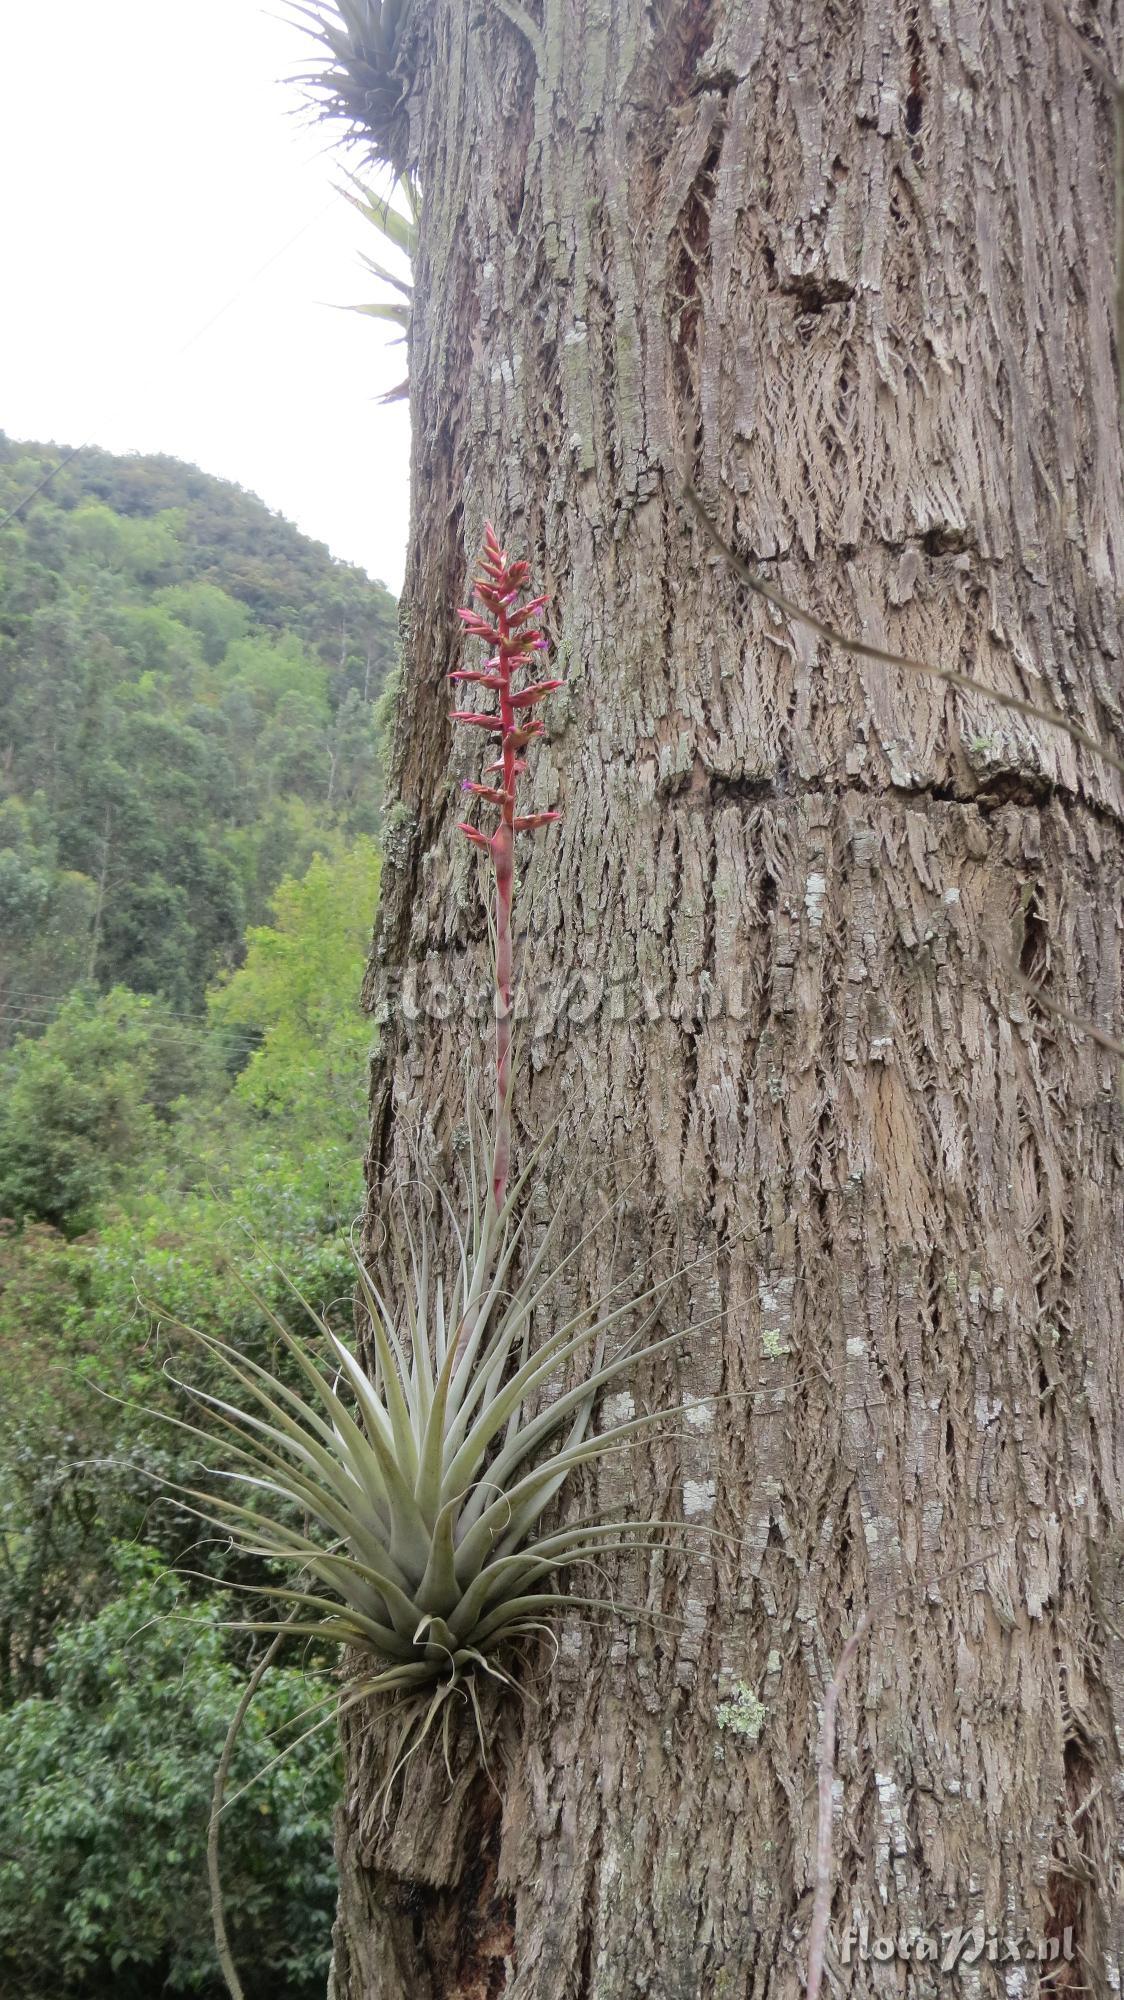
pixel 851 268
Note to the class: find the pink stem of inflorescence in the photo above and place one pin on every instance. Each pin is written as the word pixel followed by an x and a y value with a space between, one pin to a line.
pixel 513 639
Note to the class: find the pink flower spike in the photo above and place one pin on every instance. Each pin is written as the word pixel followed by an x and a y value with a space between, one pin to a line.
pixel 491 722
pixel 509 632
pixel 514 739
pixel 529 696
pixel 528 611
pixel 479 628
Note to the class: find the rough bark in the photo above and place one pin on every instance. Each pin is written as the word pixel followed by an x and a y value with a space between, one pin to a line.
pixel 852 264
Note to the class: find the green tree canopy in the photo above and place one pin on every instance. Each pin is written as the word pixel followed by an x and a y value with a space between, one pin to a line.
pixel 300 987
pixel 175 665
pixel 105 1795
pixel 80 1105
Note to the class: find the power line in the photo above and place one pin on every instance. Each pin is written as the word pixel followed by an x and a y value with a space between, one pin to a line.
pixel 48 1011
pixel 43 1017
pixel 176 1013
pixel 45 481
pixel 262 268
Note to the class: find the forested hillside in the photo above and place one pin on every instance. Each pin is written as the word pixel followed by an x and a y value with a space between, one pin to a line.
pixel 192 701
pixel 188 703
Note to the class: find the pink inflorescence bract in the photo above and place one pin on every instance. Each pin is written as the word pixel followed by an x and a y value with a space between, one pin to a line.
pixel 514 639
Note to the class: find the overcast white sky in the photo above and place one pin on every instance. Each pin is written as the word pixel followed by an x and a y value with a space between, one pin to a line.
pixel 157 176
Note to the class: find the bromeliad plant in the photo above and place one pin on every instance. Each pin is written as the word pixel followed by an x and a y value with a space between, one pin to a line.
pixel 356 82
pixel 404 1499
pixel 402 232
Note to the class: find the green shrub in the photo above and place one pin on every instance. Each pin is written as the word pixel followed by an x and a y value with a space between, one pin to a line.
pixel 105 1790
pixel 81 1105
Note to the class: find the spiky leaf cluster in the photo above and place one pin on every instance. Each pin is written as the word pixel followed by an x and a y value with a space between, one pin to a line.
pixel 401 231
pixel 359 85
pixel 406 1499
